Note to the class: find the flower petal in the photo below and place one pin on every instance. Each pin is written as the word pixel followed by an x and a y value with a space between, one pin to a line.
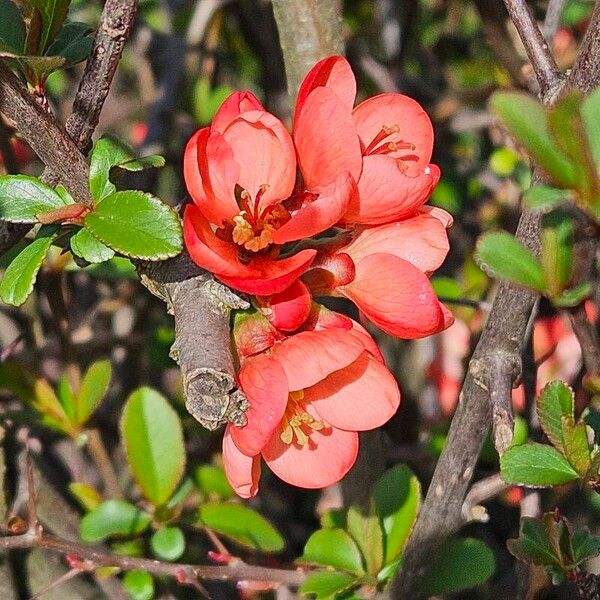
pixel 443 216
pixel 324 460
pixel 362 396
pixel 396 296
pixel 191 165
pixel 370 345
pixel 421 240
pixel 326 140
pixel 389 110
pixel 265 276
pixel 289 309
pixel 263 381
pixel 333 72
pixel 309 356
pixel 264 150
pixel 243 472
pixel 387 193
pixel 321 214
pixel 236 104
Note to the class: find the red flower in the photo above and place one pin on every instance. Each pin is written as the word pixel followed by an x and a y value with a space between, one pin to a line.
pixel 309 395
pixel 385 142
pixel 241 174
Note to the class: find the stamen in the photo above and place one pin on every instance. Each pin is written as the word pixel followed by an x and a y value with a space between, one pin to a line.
pixel 383 133
pixel 297 421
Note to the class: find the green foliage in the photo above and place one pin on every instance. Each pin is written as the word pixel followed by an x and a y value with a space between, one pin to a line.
pixel 168 543
pixel 326 585
pixel 555 401
pixel 333 548
pixel 113 517
pixel 213 483
pixel 206 100
pixel 86 495
pixel 12 28
pixel 23 198
pixel 543 197
pixel 241 524
pixel 153 438
pixel 139 585
pixel 88 247
pixel 137 225
pixel 94 386
pixel 365 528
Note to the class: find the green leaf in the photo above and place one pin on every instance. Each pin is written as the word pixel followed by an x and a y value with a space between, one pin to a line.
pixel 207 100
pixel 153 439
pixel 153 161
pixel 168 543
pixel 533 544
pixel 94 386
pixel 35 68
pixel 45 401
pixel 241 524
pixel 333 548
pixel 536 465
pixel 66 396
pixel 88 497
pixel 501 255
pixel 545 198
pixel 590 111
pixel 23 197
pixel 461 563
pixel 108 152
pixel 19 277
pixel 12 28
pixel 555 400
pixel 333 518
pixel 213 483
pixel 398 499
pixel 54 13
pixel 364 526
pixel 137 225
pixel 525 118
pixel 181 493
pixel 113 517
pixel 575 444
pixel 574 296
pixel 584 545
pixel 503 161
pixel 557 251
pixel 326 585
pixel 85 245
pixel 139 585
pixel 73 43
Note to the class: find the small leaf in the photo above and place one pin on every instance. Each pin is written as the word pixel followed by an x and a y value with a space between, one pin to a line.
pixel 557 251
pixel 364 526
pixel 536 465
pixel 398 499
pixel 501 255
pixel 525 118
pixel 545 198
pixel 153 161
pixel 590 111
pixel 113 517
pixel 54 13
pixel 45 401
pixel 333 548
pixel 12 28
pixel 555 400
pixel 326 585
pixel 88 497
pixel 23 197
pixel 66 396
pixel 153 438
pixel 241 524
pixel 181 493
pixel 73 43
pixel 35 68
pixel 85 245
pixel 533 544
pixel 333 518
pixel 168 543
pixel 94 386
pixel 584 545
pixel 108 152
pixel 136 225
pixel 575 444
pixel 213 483
pixel 139 585
pixel 19 277
pixel 573 297
pixel 461 563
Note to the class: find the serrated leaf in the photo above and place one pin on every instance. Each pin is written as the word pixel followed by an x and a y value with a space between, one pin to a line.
pixel 137 225
pixel 112 517
pixel 584 545
pixel 88 497
pixel 94 386
pixel 364 526
pixel 168 543
pixel 73 43
pixel 213 483
pixel 398 499
pixel 22 197
pixel 554 401
pixel 525 118
pixel 107 153
pixel 575 444
pixel 12 28
pixel 533 544
pixel 536 465
pixel 139 585
pixel 153 439
pixel 85 245
pixel 326 585
pixel 545 198
pixel 461 563
pixel 241 524
pixel 333 548
pixel 19 277
pixel 501 255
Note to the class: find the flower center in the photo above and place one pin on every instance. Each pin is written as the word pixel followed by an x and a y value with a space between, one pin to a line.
pixel 379 145
pixel 297 424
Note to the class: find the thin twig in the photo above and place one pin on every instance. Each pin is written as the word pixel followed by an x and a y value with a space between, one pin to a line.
pixel 32 517
pixel 99 455
pixel 481 491
pixel 56 583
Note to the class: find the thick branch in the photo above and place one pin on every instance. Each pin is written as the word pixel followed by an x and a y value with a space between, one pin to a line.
pixel 585 74
pixel 308 31
pixel 184 573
